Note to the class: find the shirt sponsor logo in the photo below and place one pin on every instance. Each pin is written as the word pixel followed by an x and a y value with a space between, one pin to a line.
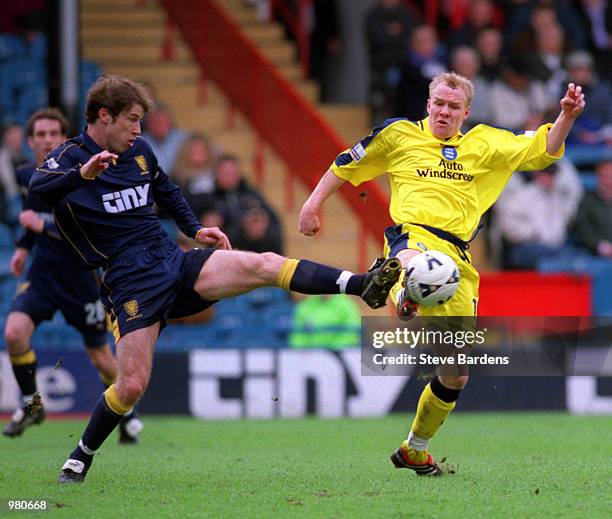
pixel 125 199
pixel 52 163
pixel 449 152
pixel 448 170
pixel 357 152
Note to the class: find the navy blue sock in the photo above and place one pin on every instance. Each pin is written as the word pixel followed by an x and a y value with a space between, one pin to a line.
pixel 25 374
pixel 355 284
pixel 315 278
pixel 102 422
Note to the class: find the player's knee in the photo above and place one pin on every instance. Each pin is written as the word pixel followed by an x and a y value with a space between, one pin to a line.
pixel 17 339
pixel 454 381
pixel 267 266
pixel 130 390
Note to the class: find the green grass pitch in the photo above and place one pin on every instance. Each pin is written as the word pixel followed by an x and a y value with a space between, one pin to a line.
pixel 506 465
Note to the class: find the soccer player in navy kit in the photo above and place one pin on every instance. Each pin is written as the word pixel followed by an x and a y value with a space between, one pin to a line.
pixel 102 185
pixel 55 280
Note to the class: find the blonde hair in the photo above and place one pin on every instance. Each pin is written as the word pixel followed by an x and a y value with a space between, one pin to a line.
pixel 454 80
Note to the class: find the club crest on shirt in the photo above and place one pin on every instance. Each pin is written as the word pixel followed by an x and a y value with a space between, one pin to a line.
pixel 449 152
pixel 142 164
pixel 131 308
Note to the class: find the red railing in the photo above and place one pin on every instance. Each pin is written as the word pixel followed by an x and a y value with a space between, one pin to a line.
pixel 296 23
pixel 281 115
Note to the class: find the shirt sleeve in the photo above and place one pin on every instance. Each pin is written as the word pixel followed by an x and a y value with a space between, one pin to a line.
pixel 523 152
pixel 366 160
pixel 59 175
pixel 168 195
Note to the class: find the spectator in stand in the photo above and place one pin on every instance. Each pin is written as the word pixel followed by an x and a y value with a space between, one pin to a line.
pixel 194 167
pixel 323 25
pixel 421 65
pixel 481 15
pixel 489 44
pixel 465 61
pixel 332 322
pixel 533 217
pixel 597 18
pixel 163 137
pixel 526 97
pixel 11 158
pixel 258 233
pixel 388 27
pixel 526 19
pixel 595 125
pixel 593 227
pixel 232 198
pixel 546 62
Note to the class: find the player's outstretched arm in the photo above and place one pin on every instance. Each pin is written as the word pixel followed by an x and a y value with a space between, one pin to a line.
pixel 62 174
pixel 572 105
pixel 309 223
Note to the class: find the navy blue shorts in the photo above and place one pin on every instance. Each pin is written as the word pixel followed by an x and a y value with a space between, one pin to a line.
pixel 152 284
pixel 74 292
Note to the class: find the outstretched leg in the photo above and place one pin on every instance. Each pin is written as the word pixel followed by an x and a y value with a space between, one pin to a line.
pixel 231 273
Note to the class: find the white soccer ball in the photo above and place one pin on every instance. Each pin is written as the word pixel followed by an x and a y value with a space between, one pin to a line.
pixel 432 278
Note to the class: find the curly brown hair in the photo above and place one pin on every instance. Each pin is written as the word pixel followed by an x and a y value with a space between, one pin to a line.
pixel 116 94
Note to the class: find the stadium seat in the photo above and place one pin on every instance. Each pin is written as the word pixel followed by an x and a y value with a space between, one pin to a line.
pixel 582 155
pixel 6 239
pixel 588 180
pixel 12 46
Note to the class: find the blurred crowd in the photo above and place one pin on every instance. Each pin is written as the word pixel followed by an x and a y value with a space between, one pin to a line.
pixel 211 179
pixel 520 54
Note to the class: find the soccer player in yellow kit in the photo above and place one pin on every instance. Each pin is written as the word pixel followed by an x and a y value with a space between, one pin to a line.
pixel 442 182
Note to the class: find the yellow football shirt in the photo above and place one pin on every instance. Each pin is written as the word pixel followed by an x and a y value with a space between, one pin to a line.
pixel 444 183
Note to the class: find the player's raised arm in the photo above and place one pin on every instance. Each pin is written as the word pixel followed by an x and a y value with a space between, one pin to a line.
pixel 572 105
pixel 309 223
pixel 61 174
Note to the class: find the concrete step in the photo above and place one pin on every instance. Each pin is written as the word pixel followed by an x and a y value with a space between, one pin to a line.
pixel 180 72
pixel 279 53
pixel 146 53
pixel 114 35
pixel 352 122
pixel 124 19
pixel 119 4
pixel 264 33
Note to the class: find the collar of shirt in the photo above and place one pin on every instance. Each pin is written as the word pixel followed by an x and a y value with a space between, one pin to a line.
pixel 90 144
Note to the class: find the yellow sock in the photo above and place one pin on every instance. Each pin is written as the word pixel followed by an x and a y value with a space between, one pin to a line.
pixel 430 415
pixel 113 401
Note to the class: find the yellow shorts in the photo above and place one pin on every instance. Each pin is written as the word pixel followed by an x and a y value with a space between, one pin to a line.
pixel 465 300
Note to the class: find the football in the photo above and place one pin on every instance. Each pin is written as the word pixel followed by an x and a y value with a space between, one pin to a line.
pixel 432 278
